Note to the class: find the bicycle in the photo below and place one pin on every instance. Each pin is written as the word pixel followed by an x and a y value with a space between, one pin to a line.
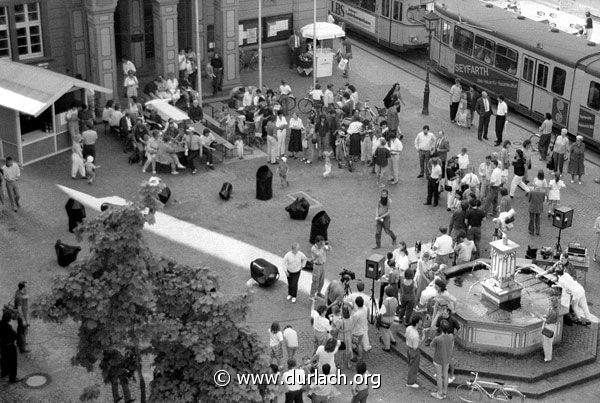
pixel 346 161
pixel 535 140
pixel 249 60
pixel 366 112
pixel 473 391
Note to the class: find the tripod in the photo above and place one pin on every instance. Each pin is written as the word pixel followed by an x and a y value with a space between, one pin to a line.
pixel 558 247
pixel 373 304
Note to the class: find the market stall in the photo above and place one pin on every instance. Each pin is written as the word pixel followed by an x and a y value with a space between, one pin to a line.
pixel 33 107
pixel 324 33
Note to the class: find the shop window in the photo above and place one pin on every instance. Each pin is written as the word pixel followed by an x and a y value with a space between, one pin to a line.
pixel 594 96
pixel 463 40
pixel 527 69
pixel 446 32
pixel 542 75
pixel 385 8
pixel 28 24
pixel 559 78
pixel 4 38
pixel 484 49
pixel 506 59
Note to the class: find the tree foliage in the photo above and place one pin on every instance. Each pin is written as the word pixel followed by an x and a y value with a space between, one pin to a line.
pixel 129 302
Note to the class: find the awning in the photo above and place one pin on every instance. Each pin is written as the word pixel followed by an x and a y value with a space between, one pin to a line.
pixel 32 90
pixel 167 111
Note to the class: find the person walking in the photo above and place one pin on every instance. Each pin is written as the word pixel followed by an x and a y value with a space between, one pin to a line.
pixel 345 52
pixel 294 44
pixel 549 325
pixel 8 348
pixel 424 142
pixel 386 316
pixel 319 258
pixel 472 97
pixel 483 109
pixel 455 94
pixel 22 307
pixel 434 174
pixel 441 149
pixel 560 152
pixel 396 148
pixel 380 159
pixel 577 159
pixel 293 262
pixel 383 219
pixel 501 112
pixel 491 200
pixel 536 208
pixel 413 349
pixel 545 136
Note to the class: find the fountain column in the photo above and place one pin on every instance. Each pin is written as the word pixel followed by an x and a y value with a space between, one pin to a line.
pixel 501 288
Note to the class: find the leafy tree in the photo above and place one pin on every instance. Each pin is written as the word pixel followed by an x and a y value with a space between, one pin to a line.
pixel 129 303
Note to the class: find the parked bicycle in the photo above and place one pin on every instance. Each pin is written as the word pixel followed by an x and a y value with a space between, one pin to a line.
pixel 371 112
pixel 535 140
pixel 249 60
pixel 474 390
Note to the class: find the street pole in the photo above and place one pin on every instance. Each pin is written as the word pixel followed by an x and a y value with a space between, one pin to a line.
pixel 425 110
pixel 260 72
pixel 314 43
pixel 199 64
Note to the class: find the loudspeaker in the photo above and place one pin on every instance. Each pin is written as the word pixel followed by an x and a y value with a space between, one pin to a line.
pixel 374 266
pixel 65 254
pixel 563 217
pixel 164 195
pixel 298 210
pixel 263 272
pixel 226 190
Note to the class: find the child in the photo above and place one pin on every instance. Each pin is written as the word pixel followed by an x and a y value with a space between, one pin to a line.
pixel 282 171
pixel 407 297
pixel 275 343
pixel 554 188
pixel 327 155
pixel 443 346
pixel 291 341
pixel 505 204
pixel 463 162
pixel 239 146
pixel 360 390
pixel 90 169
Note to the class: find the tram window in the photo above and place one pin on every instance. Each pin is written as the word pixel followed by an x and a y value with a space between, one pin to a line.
pixel 415 14
pixel 559 77
pixel 484 49
pixel 506 59
pixel 528 69
pixel 542 75
pixel 367 4
pixel 397 11
pixel 594 96
pixel 385 8
pixel 463 40
pixel 445 32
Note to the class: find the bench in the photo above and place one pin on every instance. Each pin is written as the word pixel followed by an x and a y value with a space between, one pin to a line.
pixel 221 142
pixel 216 107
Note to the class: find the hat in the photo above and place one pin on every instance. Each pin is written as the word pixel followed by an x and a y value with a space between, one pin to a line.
pixel 89 158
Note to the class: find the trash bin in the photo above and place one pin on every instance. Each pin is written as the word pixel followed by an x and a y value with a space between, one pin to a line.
pixel 264 183
pixel 320 223
pixel 75 212
pixel 298 210
pixel 164 195
pixel 65 254
pixel 264 272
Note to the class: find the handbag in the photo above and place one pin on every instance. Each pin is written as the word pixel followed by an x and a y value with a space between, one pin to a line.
pixel 547 332
pixel 342 64
pixel 342 346
pixel 448 188
pixel 308 265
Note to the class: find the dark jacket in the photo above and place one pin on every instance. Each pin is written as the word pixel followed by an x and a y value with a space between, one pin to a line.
pixel 536 201
pixel 480 108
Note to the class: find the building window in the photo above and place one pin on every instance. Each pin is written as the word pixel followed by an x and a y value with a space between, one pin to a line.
pixel 542 75
pixel 28 24
pixel 559 77
pixel 528 69
pixel 506 59
pixel 463 40
pixel 594 96
pixel 4 39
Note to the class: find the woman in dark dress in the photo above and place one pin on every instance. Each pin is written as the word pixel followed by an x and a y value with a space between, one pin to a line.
pixel 354 131
pixel 296 127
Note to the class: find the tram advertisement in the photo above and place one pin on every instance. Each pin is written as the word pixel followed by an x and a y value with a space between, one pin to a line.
pixel 353 16
pixel 585 123
pixel 486 77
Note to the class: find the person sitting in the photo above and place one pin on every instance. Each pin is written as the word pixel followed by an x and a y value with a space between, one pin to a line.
pixel 195 112
pixel 163 89
pixel 173 89
pixel 167 155
pixel 186 90
pixel 108 111
pixel 115 119
pixel 151 89
pixel 172 130
pixel 153 119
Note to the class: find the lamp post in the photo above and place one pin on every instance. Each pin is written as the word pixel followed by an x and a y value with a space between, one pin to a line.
pixel 431 20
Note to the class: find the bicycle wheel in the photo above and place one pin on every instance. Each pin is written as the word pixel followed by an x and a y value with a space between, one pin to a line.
pixel 468 393
pixel 305 105
pixel 535 139
pixel 508 394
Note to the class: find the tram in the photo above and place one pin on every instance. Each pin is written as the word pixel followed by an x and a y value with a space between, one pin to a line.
pixel 395 24
pixel 537 68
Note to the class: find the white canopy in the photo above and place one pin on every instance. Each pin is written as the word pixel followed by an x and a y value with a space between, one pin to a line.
pixel 324 30
pixel 167 111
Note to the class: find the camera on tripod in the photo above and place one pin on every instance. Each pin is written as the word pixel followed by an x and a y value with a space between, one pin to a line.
pixel 347 275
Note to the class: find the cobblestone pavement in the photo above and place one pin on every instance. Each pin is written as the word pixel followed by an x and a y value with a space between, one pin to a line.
pixel 27 238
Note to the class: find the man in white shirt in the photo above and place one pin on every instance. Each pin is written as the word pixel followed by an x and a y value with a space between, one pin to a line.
pixel 443 247
pixel 247 98
pixel 11 174
pixel 424 142
pixel 433 182
pixel 182 61
pixel 500 119
pixel 128 66
pixel 455 93
pixel 485 172
pixel 294 382
pixel 395 149
pixel 491 200
pixel 293 262
pixel 317 96
pixel 361 326
pixel 206 140
pixel 286 92
pixel 320 324
pixel 577 292
pixel 413 342
pixel 328 96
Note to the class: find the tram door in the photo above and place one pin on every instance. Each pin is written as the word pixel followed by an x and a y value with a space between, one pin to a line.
pixel 541 99
pixel 526 83
pixel 384 23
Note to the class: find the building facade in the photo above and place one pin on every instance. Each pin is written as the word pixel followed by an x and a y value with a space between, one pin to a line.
pixel 89 37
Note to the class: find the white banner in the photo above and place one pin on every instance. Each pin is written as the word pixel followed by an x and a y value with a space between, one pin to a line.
pixel 354 16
